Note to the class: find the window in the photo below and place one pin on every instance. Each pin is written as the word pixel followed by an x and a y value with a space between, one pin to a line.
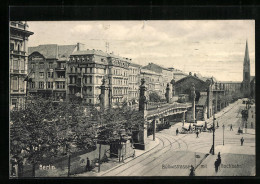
pixel 22 67
pixel 60 85
pixel 62 65
pixel 50 85
pixel 89 100
pixel 15 83
pixel 61 74
pixel 32 65
pixel 21 84
pixel 15 66
pixel 41 85
pixel 50 64
pixel 41 75
pixel 14 102
pixel 50 74
pixel 32 85
pixel 41 66
pixel 11 46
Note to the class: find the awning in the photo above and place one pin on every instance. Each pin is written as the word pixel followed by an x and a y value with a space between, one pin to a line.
pixel 200 123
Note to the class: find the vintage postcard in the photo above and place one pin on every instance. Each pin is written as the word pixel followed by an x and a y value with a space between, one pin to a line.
pixel 132 98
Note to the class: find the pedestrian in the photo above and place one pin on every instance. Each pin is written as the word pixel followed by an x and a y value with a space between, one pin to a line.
pixel 197 134
pixel 88 165
pixel 192 171
pixel 177 131
pixel 231 128
pixel 219 159
pixel 216 166
pixel 242 141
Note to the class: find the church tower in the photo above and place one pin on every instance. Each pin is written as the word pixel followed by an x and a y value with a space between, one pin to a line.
pixel 246 74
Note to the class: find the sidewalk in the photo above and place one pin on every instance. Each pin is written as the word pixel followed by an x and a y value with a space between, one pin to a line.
pixel 235 160
pixel 113 163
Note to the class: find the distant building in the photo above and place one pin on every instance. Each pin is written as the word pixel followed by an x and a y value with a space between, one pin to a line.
pixel 153 82
pixel 230 86
pixel 18 62
pixel 166 74
pixel 47 70
pixel 134 82
pixel 252 86
pixel 251 117
pixel 118 78
pixel 204 94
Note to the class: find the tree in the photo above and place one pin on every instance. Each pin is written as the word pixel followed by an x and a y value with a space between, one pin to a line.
pixel 154 97
pixel 117 125
pixel 44 129
pixel 29 137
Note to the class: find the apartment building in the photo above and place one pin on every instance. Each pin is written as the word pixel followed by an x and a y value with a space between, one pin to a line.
pixel 134 81
pixel 118 78
pixel 86 69
pixel 47 70
pixel 18 61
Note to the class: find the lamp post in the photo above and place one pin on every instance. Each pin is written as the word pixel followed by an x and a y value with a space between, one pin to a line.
pixel 223 133
pixel 213 146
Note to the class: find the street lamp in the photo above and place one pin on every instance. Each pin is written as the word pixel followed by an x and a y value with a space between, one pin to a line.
pixel 213 146
pixel 223 133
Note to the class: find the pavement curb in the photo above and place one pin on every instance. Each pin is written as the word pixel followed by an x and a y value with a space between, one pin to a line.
pixel 129 160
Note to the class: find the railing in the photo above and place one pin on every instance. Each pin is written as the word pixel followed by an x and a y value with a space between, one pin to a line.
pixel 60 68
pixel 18 52
pixel 154 105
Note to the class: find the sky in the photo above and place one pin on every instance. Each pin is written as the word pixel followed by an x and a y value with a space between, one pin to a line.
pixel 208 47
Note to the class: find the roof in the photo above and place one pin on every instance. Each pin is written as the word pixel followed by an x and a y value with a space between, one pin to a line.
pixel 189 76
pixel 202 101
pixel 156 67
pixel 90 52
pixel 246 59
pixel 53 51
pixel 134 64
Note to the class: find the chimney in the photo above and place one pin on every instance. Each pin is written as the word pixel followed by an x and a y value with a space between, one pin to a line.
pixel 80 46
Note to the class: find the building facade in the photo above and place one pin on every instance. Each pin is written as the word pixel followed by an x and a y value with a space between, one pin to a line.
pixel 118 68
pixel 251 117
pixel 47 70
pixel 134 81
pixel 86 69
pixel 166 75
pixel 153 81
pixel 18 62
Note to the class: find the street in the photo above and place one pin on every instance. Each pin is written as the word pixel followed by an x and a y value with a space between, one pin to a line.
pixel 174 155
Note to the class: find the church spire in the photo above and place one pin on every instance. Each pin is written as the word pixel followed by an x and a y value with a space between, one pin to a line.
pixel 246 59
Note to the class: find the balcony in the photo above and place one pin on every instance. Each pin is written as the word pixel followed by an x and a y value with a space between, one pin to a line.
pixel 72 84
pixel 60 79
pixel 17 71
pixel 17 25
pixel 59 68
pixel 19 53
